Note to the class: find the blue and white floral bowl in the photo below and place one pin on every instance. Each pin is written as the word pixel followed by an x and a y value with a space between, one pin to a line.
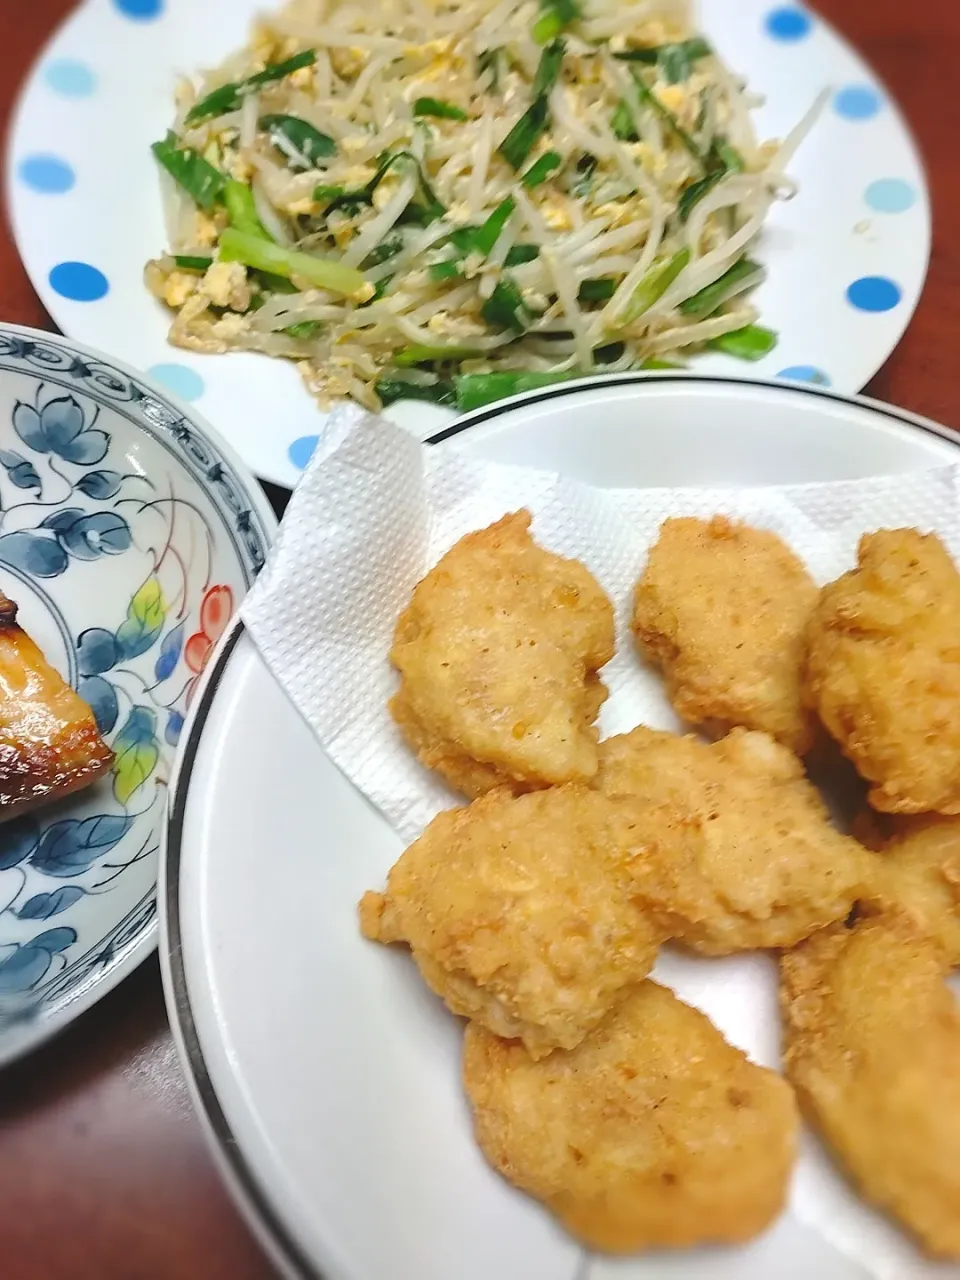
pixel 128 536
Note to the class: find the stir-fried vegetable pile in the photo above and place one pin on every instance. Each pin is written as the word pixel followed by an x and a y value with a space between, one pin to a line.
pixel 457 201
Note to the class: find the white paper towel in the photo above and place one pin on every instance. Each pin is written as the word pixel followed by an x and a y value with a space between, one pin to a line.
pixel 376 509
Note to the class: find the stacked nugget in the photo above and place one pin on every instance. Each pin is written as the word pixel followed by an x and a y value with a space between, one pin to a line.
pixel 871 1032
pixel 537 911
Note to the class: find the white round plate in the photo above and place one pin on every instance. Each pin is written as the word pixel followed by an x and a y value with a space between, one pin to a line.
pixel 128 535
pixel 82 189
pixel 327 1074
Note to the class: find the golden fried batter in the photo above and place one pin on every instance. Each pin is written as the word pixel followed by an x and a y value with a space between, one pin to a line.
pixel 519 914
pixel 744 856
pixel 872 1046
pixel 498 653
pixel 919 871
pixel 722 608
pixel 884 670
pixel 654 1132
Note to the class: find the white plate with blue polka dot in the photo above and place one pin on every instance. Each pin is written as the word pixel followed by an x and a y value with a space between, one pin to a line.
pixel 847 257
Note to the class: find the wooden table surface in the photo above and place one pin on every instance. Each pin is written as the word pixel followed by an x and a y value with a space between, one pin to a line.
pixel 103 1170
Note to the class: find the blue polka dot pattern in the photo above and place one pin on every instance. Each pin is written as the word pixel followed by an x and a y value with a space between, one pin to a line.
pixel 79 281
pixel 891 195
pixel 178 378
pixel 788 24
pixel 140 10
pixel 46 174
pixel 302 450
pixel 874 293
pixel 70 79
pixel 857 102
pixel 805 373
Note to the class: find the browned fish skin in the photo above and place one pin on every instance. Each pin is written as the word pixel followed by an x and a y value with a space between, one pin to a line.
pixel 49 741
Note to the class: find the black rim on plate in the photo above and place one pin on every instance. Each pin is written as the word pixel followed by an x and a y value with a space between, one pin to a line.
pixel 258 1204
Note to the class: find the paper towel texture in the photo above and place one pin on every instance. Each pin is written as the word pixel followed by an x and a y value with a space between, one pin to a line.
pixel 375 511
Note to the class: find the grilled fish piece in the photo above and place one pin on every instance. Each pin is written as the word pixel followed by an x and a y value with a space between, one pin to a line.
pixel 49 741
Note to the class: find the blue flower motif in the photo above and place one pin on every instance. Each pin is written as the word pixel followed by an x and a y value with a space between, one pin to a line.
pixel 87 536
pixel 44 905
pixel 23 969
pixel 33 554
pixel 59 428
pixel 169 655
pixel 137 753
pixel 174 728
pixel 101 697
pixel 54 940
pixel 97 651
pixel 21 472
pixel 70 847
pixel 100 484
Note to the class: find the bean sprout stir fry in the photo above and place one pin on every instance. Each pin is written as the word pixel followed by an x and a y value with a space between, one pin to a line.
pixel 456 200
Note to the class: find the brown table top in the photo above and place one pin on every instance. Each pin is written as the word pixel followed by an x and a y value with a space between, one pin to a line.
pixel 103 1170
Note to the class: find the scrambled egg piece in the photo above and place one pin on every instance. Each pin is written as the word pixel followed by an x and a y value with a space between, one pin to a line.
pixel 173 288
pixel 331 381
pixel 239 169
pixel 229 326
pixel 225 284
pixel 304 206
pixel 556 217
pixel 205 230
pixel 445 325
pixel 348 63
pixel 302 79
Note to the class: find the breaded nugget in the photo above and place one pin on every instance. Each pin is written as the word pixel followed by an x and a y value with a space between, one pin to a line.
pixel 744 856
pixel 872 1046
pixel 518 913
pixel 919 870
pixel 722 608
pixel 654 1132
pixel 883 670
pixel 498 653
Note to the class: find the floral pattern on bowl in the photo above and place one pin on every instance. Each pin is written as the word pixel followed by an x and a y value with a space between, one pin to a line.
pixel 127 538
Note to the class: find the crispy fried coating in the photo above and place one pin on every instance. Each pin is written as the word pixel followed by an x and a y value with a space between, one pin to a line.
pixel 918 870
pixel 744 855
pixel 883 670
pixel 872 1046
pixel 498 653
pixel 654 1132
pixel 722 608
pixel 518 912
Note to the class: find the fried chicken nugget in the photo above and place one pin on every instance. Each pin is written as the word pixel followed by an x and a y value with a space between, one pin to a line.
pixel 722 608
pixel 518 912
pixel 883 670
pixel 872 1046
pixel 498 653
pixel 654 1132
pixel 745 856
pixel 918 870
